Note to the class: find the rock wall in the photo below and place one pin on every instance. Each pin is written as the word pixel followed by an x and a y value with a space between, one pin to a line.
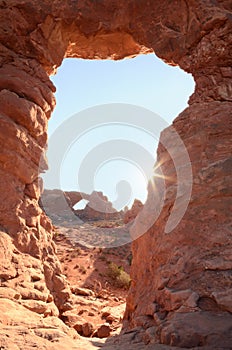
pixel 180 278
pixel 26 102
pixel 185 292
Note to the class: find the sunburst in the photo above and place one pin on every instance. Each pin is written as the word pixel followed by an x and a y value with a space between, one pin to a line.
pixel 158 173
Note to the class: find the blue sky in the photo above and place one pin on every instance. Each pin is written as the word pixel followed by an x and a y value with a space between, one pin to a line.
pixel 143 81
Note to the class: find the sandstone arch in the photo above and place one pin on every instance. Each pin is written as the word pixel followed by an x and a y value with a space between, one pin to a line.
pixel 196 35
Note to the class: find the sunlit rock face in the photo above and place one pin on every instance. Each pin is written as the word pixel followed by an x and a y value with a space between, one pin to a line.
pixel 181 280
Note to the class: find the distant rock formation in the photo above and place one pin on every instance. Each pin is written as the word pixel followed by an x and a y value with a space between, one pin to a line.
pixel 54 201
pixel 58 205
pixel 131 214
pixel 75 197
pixel 98 208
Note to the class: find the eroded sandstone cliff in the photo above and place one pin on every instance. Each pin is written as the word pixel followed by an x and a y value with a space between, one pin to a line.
pixel 180 279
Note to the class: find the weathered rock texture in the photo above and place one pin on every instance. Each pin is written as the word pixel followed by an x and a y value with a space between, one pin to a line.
pixel 178 278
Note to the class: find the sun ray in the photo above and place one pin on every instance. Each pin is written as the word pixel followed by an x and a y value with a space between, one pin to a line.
pixel 158 173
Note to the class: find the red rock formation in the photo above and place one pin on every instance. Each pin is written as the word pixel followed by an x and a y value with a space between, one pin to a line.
pixel 75 197
pixel 180 278
pixel 186 273
pixel 55 202
pixel 99 208
pixel 58 205
pixel 131 214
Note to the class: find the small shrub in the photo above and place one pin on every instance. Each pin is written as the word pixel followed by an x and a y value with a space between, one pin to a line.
pixel 113 270
pixel 123 280
pixel 119 277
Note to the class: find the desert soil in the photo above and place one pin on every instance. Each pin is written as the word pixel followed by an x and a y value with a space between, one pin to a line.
pixel 87 271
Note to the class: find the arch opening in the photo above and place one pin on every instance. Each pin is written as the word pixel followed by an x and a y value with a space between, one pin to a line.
pixel 144 81
pixel 148 82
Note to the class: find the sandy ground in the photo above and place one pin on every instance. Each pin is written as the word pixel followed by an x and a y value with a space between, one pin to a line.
pixel 88 267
